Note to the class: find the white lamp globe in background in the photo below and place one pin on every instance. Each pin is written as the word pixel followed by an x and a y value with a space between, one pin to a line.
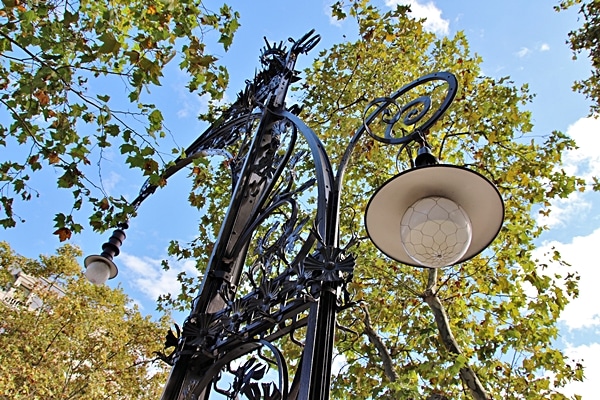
pixel 99 269
pixel 435 232
pixel 97 272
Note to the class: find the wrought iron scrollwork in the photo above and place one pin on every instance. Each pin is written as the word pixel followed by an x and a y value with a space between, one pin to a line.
pixel 331 263
pixel 277 269
pixel 247 376
pixel 402 121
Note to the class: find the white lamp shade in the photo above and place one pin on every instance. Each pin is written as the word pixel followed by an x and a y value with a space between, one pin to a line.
pixel 99 269
pixel 471 191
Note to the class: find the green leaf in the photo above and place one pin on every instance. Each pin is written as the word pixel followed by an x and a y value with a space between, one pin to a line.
pixel 109 44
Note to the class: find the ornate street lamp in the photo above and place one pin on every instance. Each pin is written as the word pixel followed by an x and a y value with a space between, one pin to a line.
pixel 272 274
pixel 434 216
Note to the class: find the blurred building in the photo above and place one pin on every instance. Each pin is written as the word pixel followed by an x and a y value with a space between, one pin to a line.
pixel 20 293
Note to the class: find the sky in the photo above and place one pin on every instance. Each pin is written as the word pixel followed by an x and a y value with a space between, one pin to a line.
pixel 521 39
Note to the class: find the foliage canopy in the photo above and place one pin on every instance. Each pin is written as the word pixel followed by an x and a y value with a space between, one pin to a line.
pixel 58 61
pixel 82 342
pixel 482 329
pixel 585 39
pixel 495 314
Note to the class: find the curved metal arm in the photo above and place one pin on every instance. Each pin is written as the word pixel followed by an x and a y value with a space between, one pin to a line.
pixel 409 114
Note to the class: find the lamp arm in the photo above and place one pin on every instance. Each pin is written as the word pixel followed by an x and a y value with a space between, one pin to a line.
pixel 212 141
pixel 417 113
pixel 324 176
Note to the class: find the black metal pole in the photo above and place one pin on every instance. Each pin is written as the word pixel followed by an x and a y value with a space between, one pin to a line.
pixel 318 351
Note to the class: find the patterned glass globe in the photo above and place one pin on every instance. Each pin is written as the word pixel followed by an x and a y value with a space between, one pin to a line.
pixel 435 232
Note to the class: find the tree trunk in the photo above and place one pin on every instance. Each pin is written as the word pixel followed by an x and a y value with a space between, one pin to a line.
pixel 467 375
pixel 384 353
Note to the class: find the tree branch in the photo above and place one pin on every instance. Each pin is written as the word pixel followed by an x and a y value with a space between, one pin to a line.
pixel 467 374
pixel 382 350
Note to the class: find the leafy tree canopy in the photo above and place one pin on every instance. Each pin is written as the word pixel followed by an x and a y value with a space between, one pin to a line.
pixel 58 61
pixel 585 39
pixel 83 342
pixel 482 329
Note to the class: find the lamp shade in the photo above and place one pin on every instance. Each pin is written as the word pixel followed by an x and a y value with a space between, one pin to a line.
pixel 474 194
pixel 99 269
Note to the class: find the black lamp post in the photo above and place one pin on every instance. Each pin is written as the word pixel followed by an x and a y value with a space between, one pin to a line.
pixel 268 279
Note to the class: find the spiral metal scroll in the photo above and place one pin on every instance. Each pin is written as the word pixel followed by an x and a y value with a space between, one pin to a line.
pixel 418 114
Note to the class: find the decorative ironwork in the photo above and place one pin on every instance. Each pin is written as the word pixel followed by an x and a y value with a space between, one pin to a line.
pixel 272 271
pixel 416 116
pixel 331 263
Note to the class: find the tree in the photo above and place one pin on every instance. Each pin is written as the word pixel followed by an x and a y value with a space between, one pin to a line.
pixel 586 39
pixel 60 62
pixel 482 329
pixel 84 342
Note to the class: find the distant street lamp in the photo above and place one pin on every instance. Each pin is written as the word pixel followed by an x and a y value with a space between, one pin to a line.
pixel 271 272
pixel 99 269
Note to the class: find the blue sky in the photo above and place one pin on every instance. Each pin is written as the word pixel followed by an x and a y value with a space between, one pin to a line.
pixel 521 39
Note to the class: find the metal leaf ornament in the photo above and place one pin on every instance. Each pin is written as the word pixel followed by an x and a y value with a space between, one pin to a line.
pixel 197 330
pixel 331 262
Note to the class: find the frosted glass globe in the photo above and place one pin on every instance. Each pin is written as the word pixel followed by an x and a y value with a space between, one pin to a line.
pixel 435 232
pixel 97 272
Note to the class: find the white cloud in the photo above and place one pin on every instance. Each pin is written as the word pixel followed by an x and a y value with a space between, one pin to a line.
pixel 581 312
pixel 191 104
pixel 583 162
pixel 523 52
pixel 590 354
pixel 563 209
pixel 433 15
pixel 148 277
pixel 111 181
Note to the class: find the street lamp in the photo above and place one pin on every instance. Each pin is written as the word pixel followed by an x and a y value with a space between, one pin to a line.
pixel 100 268
pixel 267 279
pixel 434 216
